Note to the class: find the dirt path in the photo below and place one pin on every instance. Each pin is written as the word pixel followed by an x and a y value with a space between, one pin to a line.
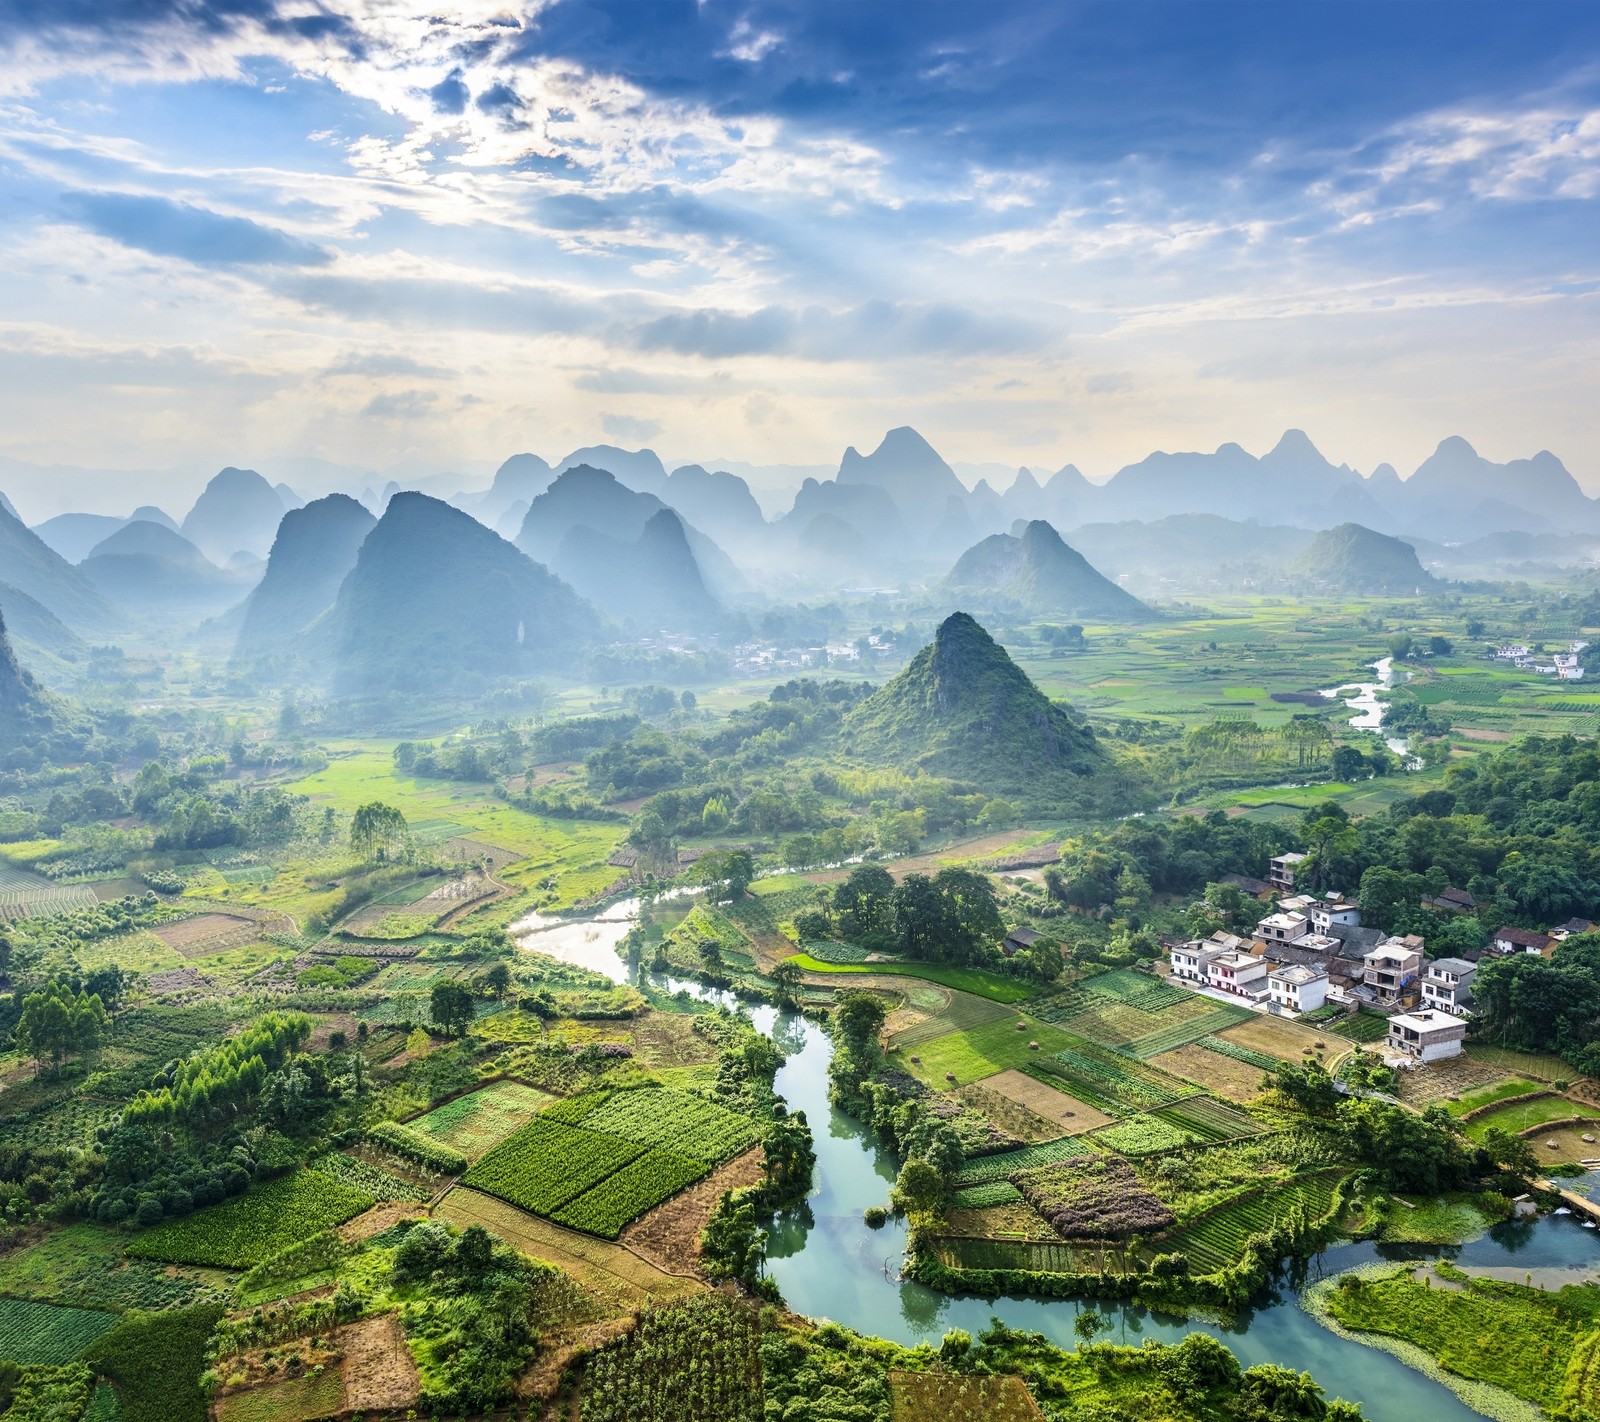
pixel 379 1372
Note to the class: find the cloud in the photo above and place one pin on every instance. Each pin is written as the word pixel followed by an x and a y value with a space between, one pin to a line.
pixel 385 363
pixel 166 228
pixel 627 427
pixel 749 45
pixel 401 405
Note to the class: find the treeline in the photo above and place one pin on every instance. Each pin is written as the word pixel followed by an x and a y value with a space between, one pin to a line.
pixel 953 917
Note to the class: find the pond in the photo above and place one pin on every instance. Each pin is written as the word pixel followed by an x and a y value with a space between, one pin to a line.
pixel 830 1264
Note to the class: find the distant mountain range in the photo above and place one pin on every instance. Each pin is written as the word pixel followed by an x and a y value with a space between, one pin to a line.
pixel 1035 572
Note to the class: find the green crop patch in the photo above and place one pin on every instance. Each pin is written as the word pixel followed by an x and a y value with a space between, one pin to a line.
pixel 47 1334
pixel 1248 1055
pixel 688 1124
pixel 544 1165
pixel 985 1168
pixel 643 1184
pixel 480 1120
pixel 1210 1120
pixel 242 1233
pixel 1180 1034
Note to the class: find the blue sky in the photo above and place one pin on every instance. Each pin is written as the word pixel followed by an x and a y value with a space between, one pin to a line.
pixel 1040 233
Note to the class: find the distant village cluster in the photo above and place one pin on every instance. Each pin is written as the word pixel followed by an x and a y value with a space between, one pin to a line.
pixel 1562 664
pixel 1312 952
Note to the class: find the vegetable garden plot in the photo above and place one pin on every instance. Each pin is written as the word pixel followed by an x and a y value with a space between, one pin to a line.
pixel 961 1397
pixel 45 1333
pixel 688 1124
pixel 368 1178
pixel 1113 1024
pixel 244 1232
pixel 1120 1077
pixel 985 1168
pixel 1136 989
pixel 544 1165
pixel 1048 1102
pixel 1034 1256
pixel 655 1176
pixel 1281 1038
pixel 1210 1119
pixel 1216 1241
pixel 1181 1033
pixel 700 1358
pixel 982 1197
pixel 24 894
pixel 964 1012
pixel 481 1119
pixel 1240 1053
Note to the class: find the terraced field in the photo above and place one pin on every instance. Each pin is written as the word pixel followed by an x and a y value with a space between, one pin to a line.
pixel 1216 1241
pixel 24 894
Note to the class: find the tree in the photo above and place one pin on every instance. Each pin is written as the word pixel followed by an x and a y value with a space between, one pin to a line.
pixel 1510 1153
pixel 919 1191
pixel 1087 1324
pixel 497 981
pixel 58 1023
pixel 450 1007
pixel 728 871
pixel 375 827
pixel 1308 1086
pixel 786 977
pixel 1440 646
pixel 857 1016
pixel 1349 763
pixel 865 901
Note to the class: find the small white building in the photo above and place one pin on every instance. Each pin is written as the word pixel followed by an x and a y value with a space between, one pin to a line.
pixel 1281 873
pixel 1283 927
pixel 1241 974
pixel 1328 912
pixel 1191 960
pixel 1298 987
pixel 1426 1035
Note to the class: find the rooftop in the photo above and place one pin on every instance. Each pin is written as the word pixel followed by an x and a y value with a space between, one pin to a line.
pixel 1451 965
pixel 1299 974
pixel 1427 1020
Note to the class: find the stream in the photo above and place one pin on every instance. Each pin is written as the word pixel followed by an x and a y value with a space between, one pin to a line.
pixel 830 1264
pixel 1369 710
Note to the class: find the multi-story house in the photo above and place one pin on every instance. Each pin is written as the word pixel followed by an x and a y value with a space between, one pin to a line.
pixel 1427 1035
pixel 1447 985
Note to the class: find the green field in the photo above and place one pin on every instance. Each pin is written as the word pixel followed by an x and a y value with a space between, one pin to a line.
pixel 43 1333
pixel 240 1233
pixel 481 1119
pixel 958 1058
pixel 1525 1115
pixel 974 980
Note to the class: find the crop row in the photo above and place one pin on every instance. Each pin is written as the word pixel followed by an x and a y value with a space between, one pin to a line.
pixel 244 1232
pixel 545 1165
pixel 1216 1241
pixel 1211 1119
pixel 1248 1055
pixel 1121 1077
pixel 985 1168
pixel 368 1178
pixel 47 1334
pixel 990 1193
pixel 655 1176
pixel 1180 1034
pixel 662 1117
pixel 413 1145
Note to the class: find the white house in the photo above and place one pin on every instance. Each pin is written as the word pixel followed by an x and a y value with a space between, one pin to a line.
pixel 1328 912
pixel 1447 985
pixel 1283 927
pixel 1191 960
pixel 1521 940
pixel 1427 1035
pixel 1298 987
pixel 1238 973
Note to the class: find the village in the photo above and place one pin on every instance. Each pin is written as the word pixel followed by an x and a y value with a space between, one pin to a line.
pixel 1311 956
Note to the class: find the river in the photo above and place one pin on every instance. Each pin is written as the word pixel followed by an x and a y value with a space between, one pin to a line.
pixel 830 1264
pixel 1369 710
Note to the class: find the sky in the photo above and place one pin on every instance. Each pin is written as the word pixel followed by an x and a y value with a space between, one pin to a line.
pixel 359 231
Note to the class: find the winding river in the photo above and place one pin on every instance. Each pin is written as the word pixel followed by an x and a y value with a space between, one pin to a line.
pixel 1369 710
pixel 829 1264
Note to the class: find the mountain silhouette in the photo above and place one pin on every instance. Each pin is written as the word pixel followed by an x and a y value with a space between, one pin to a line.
pixel 1040 574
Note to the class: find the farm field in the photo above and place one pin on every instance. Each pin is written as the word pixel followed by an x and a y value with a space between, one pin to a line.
pixel 242 1232
pixel 43 1333
pixel 571 852
pixel 958 1058
pixel 1288 1041
pixel 481 1119
pixel 286 1400
pixel 1216 1241
pixel 1227 1076
pixel 1053 1105
pixel 598 1163
pixel 24 894
pixel 84 1265
pixel 963 1012
pixel 961 1398
pixel 971 980
pixel 1521 1116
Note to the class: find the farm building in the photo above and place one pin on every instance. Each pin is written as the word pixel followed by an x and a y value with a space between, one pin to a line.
pixel 1522 940
pixel 1426 1035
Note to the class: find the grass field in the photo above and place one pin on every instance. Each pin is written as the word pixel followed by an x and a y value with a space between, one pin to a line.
pixel 1525 1115
pixel 1277 1037
pixel 84 1265
pixel 963 1012
pixel 961 1057
pixel 285 1400
pixel 1496 1091
pixel 1225 1075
